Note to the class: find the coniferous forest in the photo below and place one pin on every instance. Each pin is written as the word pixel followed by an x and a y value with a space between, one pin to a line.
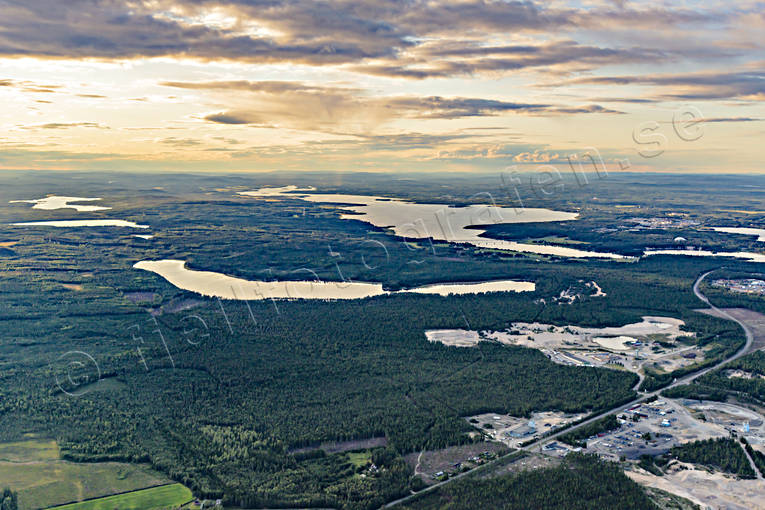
pixel 232 398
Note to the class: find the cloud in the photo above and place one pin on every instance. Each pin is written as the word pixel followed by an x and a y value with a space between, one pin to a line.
pixel 409 39
pixel 29 86
pixel 327 108
pixel 67 125
pixel 536 157
pixel 691 86
pixel 269 87
pixel 115 30
pixel 731 119
pixel 435 107
pixel 181 142
pixel 230 118
pixel 443 59
pixel 590 108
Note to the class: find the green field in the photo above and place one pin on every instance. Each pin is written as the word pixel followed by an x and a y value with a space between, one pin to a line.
pixel 29 451
pixel 359 459
pixel 33 468
pixel 220 402
pixel 166 496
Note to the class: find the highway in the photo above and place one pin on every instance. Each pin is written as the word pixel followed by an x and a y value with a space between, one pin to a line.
pixel 537 445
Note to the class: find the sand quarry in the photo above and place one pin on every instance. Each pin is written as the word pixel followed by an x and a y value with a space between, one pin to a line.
pixel 630 346
pixel 710 490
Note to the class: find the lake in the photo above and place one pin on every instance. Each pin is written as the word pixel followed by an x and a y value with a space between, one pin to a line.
pixel 759 232
pixel 439 221
pixel 212 284
pixel 56 202
pixel 81 223
pixel 754 257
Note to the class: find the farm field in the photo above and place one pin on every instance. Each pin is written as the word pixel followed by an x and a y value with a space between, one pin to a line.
pixel 267 404
pixel 42 479
pixel 166 496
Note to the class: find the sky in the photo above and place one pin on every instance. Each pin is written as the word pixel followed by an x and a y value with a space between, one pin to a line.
pixel 385 86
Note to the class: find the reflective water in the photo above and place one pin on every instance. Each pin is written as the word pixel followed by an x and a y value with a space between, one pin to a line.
pixel 55 202
pixel 82 223
pixel 759 232
pixel 214 284
pixel 754 257
pixel 441 222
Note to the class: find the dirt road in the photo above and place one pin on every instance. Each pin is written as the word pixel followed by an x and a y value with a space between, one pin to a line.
pixel 537 445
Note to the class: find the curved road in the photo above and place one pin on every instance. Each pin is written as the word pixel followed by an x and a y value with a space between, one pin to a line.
pixel 683 380
pixel 677 382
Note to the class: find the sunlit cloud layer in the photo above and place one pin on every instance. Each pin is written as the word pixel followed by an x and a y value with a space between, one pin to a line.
pixel 228 85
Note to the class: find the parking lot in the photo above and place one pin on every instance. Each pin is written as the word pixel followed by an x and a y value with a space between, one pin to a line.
pixel 653 429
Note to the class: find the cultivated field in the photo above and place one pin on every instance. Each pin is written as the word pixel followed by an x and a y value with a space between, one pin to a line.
pixel 33 468
pixel 167 496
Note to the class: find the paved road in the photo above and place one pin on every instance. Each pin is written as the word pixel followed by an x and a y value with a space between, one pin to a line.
pixel 537 445
pixel 678 382
pixel 723 313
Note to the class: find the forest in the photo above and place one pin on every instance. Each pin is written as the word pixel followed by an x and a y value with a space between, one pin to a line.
pixel 718 386
pixel 117 364
pixel 723 454
pixel 580 482
pixel 578 436
pixel 8 500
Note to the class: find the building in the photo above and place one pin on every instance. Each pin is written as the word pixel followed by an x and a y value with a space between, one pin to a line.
pixel 524 430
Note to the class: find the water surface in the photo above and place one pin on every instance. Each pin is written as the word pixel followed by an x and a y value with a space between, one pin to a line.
pixel 56 202
pixel 759 232
pixel 209 283
pixel 439 221
pixel 81 223
pixel 753 257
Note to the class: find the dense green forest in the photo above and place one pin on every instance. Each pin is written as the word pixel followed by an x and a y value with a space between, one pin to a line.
pixel 718 386
pixel 722 454
pixel 578 436
pixel 756 455
pixel 8 500
pixel 117 364
pixel 724 298
pixel 580 482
